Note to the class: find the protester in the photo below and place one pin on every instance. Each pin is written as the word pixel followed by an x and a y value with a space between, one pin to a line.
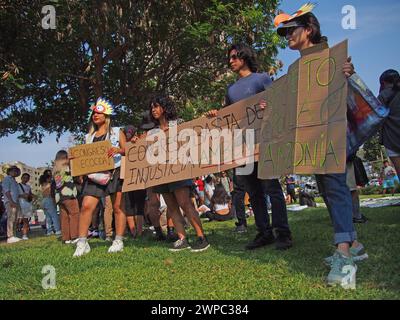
pixel 48 204
pixel 238 206
pixel 291 188
pixel 100 185
pixel 389 94
pixel 25 202
pixel 3 215
pixel 389 178
pixel 177 194
pixel 65 195
pixel 303 34
pixel 353 181
pixel 220 205
pixel 208 190
pixel 226 182
pixel 242 60
pixel 134 200
pixel 200 190
pixel 11 193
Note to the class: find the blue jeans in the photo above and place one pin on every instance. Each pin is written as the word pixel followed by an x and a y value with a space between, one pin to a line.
pixel 52 218
pixel 337 197
pixel 258 189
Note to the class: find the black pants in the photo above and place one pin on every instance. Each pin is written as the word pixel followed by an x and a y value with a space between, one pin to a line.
pixel 211 215
pixel 292 194
pixel 258 190
pixel 238 201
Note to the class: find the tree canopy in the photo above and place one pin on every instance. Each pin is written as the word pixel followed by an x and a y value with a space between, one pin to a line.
pixel 125 51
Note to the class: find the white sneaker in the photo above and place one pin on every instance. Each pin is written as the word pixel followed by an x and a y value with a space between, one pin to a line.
pixel 25 237
pixel 117 246
pixel 13 240
pixel 67 241
pixel 75 241
pixel 82 247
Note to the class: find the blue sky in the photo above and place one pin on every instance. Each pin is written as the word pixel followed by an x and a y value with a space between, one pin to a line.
pixel 374 46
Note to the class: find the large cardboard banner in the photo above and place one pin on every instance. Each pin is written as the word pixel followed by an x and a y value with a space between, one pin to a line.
pixel 191 153
pixel 306 132
pixel 90 158
pixel 303 130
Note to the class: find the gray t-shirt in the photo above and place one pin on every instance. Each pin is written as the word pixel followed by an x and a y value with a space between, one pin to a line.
pixel 391 126
pixel 9 184
pixel 247 87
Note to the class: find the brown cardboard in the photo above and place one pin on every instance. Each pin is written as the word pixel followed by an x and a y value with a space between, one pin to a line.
pixel 306 133
pixel 90 158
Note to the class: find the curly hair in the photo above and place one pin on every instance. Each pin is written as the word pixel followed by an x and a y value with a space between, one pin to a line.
pixel 245 53
pixel 165 102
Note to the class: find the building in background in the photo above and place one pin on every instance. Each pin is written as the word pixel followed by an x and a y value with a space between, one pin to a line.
pixel 35 173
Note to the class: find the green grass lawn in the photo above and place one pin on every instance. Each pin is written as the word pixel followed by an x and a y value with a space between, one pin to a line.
pixel 147 270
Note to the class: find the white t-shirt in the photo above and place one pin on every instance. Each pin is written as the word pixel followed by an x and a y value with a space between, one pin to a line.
pixel 389 172
pixel 25 205
pixel 218 207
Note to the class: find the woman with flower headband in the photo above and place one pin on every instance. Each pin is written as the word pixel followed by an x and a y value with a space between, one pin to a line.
pixel 303 33
pixel 97 187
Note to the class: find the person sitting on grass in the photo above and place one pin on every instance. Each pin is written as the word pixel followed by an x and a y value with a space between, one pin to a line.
pixel 220 205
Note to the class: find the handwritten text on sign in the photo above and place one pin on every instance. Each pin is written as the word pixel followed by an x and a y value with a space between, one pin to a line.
pixel 307 130
pixel 303 130
pixel 90 158
pixel 196 148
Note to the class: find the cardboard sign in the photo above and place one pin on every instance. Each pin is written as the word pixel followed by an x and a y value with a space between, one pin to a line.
pixel 303 130
pixel 306 133
pixel 90 158
pixel 225 150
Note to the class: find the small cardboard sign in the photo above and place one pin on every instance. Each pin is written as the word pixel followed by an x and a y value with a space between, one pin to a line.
pixel 90 158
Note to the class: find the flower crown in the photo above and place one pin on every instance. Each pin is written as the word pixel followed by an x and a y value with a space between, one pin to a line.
pixel 102 106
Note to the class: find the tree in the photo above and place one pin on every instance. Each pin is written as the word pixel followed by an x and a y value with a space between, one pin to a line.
pixel 123 50
pixel 373 148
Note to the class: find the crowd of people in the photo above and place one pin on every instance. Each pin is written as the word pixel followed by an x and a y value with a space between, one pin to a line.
pixel 96 201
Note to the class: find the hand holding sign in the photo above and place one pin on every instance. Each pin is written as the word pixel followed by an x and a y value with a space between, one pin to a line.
pixel 348 68
pixel 91 158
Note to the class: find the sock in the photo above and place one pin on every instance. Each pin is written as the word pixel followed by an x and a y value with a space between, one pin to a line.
pixel 83 239
pixel 119 238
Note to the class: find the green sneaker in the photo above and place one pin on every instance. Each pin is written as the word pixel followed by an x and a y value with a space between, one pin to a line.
pixel 343 271
pixel 357 253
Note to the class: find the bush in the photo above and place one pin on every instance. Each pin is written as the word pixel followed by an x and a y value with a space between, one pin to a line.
pixel 371 190
pixel 377 189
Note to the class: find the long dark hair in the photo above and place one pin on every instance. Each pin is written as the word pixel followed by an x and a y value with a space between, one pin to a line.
pixel 390 76
pixel 309 20
pixel 45 177
pixel 220 195
pixel 167 104
pixel 247 54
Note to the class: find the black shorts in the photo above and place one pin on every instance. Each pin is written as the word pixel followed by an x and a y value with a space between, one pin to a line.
pixel 93 189
pixel 172 186
pixel 115 185
pixel 134 202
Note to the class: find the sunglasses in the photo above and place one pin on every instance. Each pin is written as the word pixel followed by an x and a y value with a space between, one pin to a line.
pixel 234 57
pixel 289 31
